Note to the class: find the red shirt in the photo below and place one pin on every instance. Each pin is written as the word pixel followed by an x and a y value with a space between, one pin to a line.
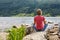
pixel 39 22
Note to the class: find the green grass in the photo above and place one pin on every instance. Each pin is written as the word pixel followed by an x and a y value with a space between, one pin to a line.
pixel 24 15
pixel 16 33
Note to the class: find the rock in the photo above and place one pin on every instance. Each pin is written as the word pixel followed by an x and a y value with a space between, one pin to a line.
pixel 35 36
pixel 3 35
pixel 53 37
pixel 14 26
pixel 29 29
pixel 54 30
pixel 50 34
pixel 50 22
pixel 53 34
pixel 55 24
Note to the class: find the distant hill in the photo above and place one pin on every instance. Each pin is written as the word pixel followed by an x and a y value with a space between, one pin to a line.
pixel 15 7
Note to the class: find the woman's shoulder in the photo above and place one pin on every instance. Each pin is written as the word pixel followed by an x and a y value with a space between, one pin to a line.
pixel 39 16
pixel 42 16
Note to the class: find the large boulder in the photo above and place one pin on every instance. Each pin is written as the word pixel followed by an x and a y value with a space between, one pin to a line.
pixel 35 36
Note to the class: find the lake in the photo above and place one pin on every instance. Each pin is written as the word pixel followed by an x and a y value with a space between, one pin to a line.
pixel 8 22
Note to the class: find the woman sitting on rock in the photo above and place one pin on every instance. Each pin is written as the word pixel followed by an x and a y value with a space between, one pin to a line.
pixel 39 21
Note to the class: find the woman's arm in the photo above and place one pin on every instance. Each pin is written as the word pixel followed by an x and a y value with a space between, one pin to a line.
pixel 34 22
pixel 45 22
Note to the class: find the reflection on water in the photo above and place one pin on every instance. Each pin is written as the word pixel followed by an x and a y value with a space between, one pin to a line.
pixel 8 22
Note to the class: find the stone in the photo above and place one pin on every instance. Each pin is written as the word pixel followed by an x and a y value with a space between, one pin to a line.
pixel 53 37
pixel 35 36
pixel 29 29
pixel 52 34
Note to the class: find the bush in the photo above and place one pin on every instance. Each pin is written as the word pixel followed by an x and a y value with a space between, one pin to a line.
pixel 16 33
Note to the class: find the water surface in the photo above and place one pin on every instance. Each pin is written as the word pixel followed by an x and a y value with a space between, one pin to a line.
pixel 8 22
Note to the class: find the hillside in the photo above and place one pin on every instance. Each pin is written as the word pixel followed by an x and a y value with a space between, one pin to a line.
pixel 16 7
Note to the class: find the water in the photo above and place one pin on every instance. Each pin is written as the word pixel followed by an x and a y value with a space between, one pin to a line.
pixel 8 22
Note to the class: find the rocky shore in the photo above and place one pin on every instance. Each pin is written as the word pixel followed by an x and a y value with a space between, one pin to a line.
pixel 50 34
pixel 31 34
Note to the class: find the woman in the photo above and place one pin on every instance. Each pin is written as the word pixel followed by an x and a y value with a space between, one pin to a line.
pixel 39 21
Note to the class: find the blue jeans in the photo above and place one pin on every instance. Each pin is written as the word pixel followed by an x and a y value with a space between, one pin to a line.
pixel 45 26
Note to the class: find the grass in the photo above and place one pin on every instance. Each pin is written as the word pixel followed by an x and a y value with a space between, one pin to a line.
pixel 24 15
pixel 16 33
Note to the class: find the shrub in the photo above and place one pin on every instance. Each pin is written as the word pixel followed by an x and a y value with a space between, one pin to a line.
pixel 16 33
